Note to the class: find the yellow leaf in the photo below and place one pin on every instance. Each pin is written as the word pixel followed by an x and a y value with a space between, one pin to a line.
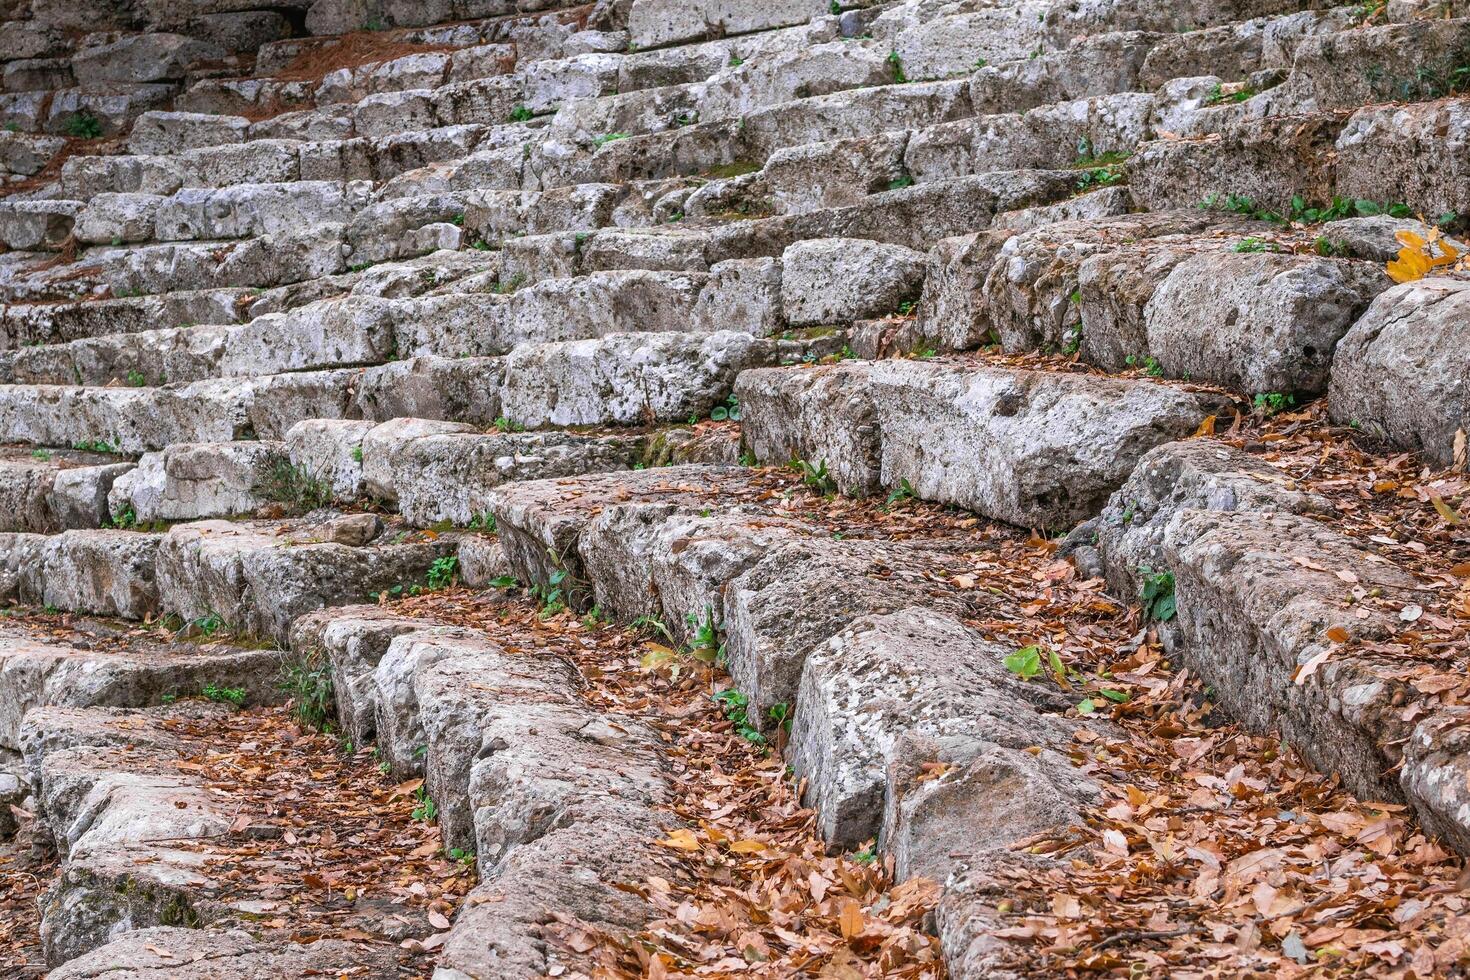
pixel 1338 635
pixel 1207 427
pixel 1401 270
pixel 851 919
pixel 1409 239
pixel 748 846
pixel 657 656
pixel 1445 510
pixel 682 839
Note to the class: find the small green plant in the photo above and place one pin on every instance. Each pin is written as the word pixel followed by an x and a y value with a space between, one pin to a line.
pixel 442 572
pixel 1269 403
pixel 735 61
pixel 357 454
pixel 462 856
pixel 295 488
pixel 503 424
pixel 1025 663
pixel 521 114
pixel 895 65
pixel 225 695
pixel 1090 705
pixel 560 592
pixel 779 715
pixel 1156 594
pixel 44 455
pixel 510 285
pixel 729 410
pixel 374 24
pixel 483 521
pixel 425 810
pixel 899 183
pixel 607 138
pixel 95 446
pixel 125 519
pixel 867 855
pixel 1150 366
pixel 834 8
pixel 735 705
pixel 1095 177
pixel 1246 245
pixel 901 494
pixel 136 379
pixel 1301 212
pixel 308 681
pixel 815 477
pixel 1219 96
pixel 84 126
pixel 708 645
pixel 205 625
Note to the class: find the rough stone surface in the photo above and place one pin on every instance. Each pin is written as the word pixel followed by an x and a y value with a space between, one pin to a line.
pixel 257 581
pixel 1031 448
pixel 1257 323
pixel 840 279
pixel 866 697
pixel 1402 371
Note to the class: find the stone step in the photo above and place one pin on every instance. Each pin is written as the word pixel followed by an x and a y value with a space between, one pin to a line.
pixel 271 161
pixel 43 323
pixel 251 577
pixel 1399 373
pixel 123 818
pixel 429 471
pixel 151 838
pixel 1297 626
pixel 136 420
pixel 685 545
pixel 90 664
pixel 1270 160
pixel 565 796
pixel 892 694
pixel 1032 448
pixel 208 954
pixel 705 146
pixel 46 491
pixel 1187 292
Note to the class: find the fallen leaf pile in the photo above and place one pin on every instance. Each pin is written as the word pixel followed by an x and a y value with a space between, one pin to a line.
pixel 27 868
pixel 1215 852
pixel 761 897
pixel 323 844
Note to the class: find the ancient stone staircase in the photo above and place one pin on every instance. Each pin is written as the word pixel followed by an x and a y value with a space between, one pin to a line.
pixel 768 488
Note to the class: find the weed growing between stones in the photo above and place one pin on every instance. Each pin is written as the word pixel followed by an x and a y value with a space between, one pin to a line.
pixel 295 489
pixel 224 695
pixel 308 681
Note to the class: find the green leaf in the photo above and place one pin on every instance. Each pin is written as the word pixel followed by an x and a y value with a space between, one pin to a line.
pixel 1057 667
pixel 1086 707
pixel 504 582
pixel 1119 696
pixel 1025 662
pixel 1165 608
